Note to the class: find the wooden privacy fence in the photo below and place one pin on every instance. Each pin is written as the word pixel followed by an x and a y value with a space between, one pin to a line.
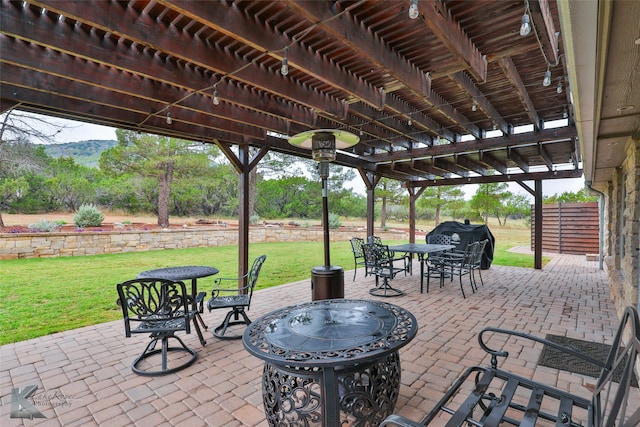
pixel 568 228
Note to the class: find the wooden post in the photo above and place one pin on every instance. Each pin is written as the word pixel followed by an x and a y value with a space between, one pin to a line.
pixel 537 263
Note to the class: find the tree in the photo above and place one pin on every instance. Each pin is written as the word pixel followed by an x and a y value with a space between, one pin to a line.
pixel 156 157
pixel 488 198
pixel 391 192
pixel 72 184
pixel 292 197
pixel 17 154
pixel 569 197
pixel 514 205
pixel 441 198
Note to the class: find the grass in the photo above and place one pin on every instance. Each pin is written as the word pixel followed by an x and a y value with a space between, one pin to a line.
pixel 40 296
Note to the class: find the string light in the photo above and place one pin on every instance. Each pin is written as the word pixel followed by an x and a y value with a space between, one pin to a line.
pixel 559 88
pixel 169 121
pixel 284 69
pixel 525 26
pixel 410 122
pixel 413 9
pixel 547 78
pixel 215 100
pixel 474 106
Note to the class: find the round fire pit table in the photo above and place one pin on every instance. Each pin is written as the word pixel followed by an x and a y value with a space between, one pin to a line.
pixel 331 362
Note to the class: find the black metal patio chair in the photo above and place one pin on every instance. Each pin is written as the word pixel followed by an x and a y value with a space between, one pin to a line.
pixel 451 264
pixel 476 264
pixel 237 298
pixel 161 308
pixel 499 397
pixel 382 262
pixel 357 247
pixel 404 257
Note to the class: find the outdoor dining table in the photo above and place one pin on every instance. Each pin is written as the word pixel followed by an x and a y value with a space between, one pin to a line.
pixel 330 362
pixel 187 272
pixel 421 249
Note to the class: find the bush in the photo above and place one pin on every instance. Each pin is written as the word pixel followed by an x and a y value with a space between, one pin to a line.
pixel 88 216
pixel 334 221
pixel 44 226
pixel 254 219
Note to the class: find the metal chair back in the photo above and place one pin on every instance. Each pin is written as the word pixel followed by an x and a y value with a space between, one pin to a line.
pixel 438 239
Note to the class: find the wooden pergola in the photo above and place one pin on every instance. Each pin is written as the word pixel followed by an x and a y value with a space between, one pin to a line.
pixel 455 95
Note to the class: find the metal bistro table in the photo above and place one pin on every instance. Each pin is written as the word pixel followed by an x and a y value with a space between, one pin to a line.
pixel 331 362
pixel 421 249
pixel 187 272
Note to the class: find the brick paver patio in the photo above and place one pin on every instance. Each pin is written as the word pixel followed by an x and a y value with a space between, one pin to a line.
pixel 84 376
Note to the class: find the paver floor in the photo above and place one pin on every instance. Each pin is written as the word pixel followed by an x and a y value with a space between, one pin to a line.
pixel 84 376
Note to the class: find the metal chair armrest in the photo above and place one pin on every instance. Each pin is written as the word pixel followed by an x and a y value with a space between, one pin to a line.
pixel 502 353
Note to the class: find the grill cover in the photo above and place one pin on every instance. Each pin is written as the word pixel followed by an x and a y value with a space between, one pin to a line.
pixel 463 234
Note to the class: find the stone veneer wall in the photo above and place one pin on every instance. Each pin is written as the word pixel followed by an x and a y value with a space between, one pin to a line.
pixel 623 269
pixel 45 245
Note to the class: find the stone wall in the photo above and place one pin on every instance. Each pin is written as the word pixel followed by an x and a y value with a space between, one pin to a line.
pixel 44 245
pixel 622 232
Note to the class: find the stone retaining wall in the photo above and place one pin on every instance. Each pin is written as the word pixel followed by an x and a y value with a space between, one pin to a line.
pixel 45 245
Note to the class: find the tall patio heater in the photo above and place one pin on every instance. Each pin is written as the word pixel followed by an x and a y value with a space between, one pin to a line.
pixel 327 281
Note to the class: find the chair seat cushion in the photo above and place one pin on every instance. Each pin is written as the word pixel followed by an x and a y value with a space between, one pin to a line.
pixel 228 301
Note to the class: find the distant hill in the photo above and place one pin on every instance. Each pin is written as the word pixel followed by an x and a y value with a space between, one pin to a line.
pixel 83 152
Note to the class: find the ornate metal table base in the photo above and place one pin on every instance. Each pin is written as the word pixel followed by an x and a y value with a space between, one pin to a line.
pixel 364 395
pixel 330 363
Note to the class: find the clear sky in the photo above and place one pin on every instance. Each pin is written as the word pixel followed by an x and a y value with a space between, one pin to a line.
pixel 79 131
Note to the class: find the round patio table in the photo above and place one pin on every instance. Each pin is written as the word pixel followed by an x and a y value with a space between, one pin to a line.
pixel 331 362
pixel 185 272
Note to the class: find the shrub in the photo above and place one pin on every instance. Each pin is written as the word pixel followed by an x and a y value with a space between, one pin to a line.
pixel 44 226
pixel 88 216
pixel 254 219
pixel 334 221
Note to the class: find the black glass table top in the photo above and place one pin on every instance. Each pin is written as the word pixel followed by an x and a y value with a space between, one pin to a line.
pixel 180 272
pixel 330 332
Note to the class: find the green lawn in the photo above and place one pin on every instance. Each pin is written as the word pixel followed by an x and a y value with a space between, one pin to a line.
pixel 41 296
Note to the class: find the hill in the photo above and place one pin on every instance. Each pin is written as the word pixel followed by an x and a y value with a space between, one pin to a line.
pixel 83 152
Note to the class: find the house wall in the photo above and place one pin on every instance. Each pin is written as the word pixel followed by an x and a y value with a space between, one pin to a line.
pixel 622 225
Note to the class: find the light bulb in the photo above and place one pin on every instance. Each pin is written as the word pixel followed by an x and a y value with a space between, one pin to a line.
pixel 284 70
pixel 409 122
pixel 525 26
pixel 474 106
pixel 547 78
pixel 215 100
pixel 413 9
pixel 565 114
pixel 559 88
pixel 169 121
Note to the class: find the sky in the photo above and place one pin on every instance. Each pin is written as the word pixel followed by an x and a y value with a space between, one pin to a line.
pixel 79 131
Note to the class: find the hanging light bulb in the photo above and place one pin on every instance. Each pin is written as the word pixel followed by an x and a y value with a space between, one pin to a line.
pixel 169 121
pixel 474 106
pixel 565 114
pixel 215 100
pixel 410 122
pixel 284 69
pixel 525 25
pixel 547 78
pixel 559 88
pixel 413 9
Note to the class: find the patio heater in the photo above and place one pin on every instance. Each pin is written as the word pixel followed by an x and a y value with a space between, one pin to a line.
pixel 327 281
